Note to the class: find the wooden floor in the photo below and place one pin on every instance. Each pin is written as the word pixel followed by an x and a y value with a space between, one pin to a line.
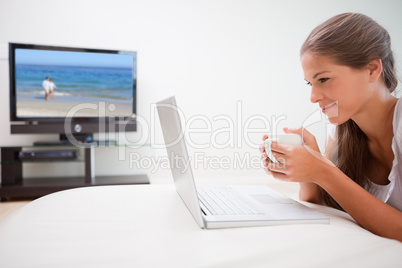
pixel 8 207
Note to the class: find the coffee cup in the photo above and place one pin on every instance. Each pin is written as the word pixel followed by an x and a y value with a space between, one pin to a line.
pixel 285 139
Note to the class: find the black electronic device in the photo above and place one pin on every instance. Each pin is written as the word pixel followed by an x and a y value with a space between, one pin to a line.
pixel 47 155
pixel 93 90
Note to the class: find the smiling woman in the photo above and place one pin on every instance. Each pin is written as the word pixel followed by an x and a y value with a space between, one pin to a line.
pixel 358 50
pixel 348 63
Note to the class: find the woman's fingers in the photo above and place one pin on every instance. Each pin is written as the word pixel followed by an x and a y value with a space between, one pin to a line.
pixel 308 138
pixel 279 176
pixel 277 167
pixel 279 148
pixel 276 175
pixel 264 159
pixel 262 148
pixel 304 133
pixel 267 171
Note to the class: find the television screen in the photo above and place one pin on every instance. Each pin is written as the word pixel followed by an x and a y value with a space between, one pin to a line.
pixel 71 91
pixel 56 83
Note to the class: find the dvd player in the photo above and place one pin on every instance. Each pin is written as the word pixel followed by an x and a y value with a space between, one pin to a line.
pixel 48 155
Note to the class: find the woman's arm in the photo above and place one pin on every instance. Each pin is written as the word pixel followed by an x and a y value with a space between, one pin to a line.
pixel 305 165
pixel 311 192
pixel 370 212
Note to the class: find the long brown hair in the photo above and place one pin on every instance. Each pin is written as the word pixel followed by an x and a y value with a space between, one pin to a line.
pixel 352 40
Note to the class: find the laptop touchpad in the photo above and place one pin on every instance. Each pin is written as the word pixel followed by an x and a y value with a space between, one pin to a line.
pixel 265 199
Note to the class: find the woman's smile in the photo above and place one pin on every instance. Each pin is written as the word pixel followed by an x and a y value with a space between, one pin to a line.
pixel 328 107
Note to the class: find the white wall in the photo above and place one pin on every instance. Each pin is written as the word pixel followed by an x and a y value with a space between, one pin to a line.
pixel 215 56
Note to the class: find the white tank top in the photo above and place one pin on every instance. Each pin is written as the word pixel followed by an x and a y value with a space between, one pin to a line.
pixel 392 192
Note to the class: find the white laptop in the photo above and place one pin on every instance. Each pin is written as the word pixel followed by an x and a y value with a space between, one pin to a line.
pixel 224 206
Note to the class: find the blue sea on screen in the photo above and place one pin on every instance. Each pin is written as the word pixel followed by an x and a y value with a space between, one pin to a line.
pixel 75 83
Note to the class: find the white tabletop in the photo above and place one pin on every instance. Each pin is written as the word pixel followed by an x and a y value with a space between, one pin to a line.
pixel 149 226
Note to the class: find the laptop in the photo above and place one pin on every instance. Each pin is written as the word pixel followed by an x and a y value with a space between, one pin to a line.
pixel 225 206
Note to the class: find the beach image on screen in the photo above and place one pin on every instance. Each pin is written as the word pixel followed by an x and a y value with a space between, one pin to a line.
pixel 51 83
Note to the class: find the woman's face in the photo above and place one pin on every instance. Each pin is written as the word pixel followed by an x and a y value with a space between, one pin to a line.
pixel 340 91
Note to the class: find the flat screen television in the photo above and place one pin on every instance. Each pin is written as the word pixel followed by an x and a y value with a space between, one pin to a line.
pixel 74 92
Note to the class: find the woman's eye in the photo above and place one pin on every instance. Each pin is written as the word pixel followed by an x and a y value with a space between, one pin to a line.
pixel 308 83
pixel 322 80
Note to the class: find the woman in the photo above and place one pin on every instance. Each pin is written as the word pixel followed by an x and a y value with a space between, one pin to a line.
pixel 349 65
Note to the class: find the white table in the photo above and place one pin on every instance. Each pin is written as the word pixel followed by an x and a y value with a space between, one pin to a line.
pixel 149 226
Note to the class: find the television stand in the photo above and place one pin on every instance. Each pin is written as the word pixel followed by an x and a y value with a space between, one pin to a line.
pixel 13 184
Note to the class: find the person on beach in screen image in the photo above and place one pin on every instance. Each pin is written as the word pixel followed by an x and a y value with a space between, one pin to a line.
pixel 46 87
pixel 349 65
pixel 51 88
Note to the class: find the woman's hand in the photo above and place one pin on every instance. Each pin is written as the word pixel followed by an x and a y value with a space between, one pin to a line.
pixel 296 163
pixel 264 157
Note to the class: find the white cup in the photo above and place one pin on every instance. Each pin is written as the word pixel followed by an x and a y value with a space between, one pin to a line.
pixel 285 139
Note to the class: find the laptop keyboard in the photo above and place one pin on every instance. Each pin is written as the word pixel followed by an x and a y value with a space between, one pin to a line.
pixel 221 200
